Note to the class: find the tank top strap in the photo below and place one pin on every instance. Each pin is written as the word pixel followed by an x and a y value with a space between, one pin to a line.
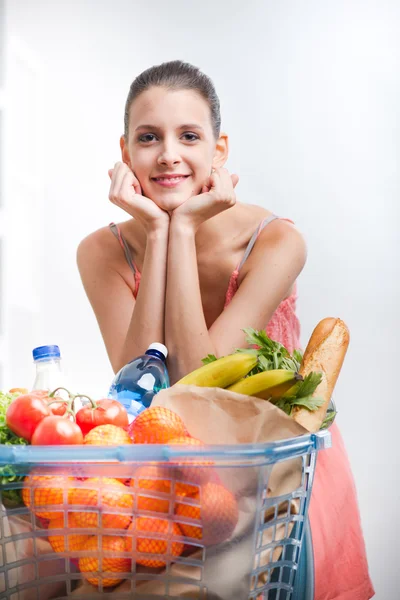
pixel 254 237
pixel 123 243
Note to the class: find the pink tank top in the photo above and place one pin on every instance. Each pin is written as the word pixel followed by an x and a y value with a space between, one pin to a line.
pixel 340 562
pixel 283 325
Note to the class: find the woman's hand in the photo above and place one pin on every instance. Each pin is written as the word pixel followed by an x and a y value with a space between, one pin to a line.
pixel 217 195
pixel 125 192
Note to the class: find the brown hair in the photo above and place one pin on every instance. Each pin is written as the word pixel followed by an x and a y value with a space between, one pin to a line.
pixel 176 75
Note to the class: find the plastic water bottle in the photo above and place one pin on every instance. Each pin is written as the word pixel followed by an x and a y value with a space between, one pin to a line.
pixel 49 375
pixel 136 383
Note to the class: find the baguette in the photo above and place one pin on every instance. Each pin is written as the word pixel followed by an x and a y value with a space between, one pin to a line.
pixel 325 353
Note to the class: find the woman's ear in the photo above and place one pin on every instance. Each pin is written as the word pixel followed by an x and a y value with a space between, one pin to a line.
pixel 221 151
pixel 124 151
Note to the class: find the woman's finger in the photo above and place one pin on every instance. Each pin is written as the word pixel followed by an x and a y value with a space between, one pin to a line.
pixel 136 184
pixel 235 180
pixel 215 179
pixel 118 175
pixel 129 185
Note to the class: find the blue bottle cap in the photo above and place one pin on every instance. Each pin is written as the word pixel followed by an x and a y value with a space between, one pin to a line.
pixel 43 352
pixel 159 347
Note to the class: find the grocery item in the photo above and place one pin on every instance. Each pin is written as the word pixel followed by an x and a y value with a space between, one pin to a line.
pixel 325 353
pixel 8 437
pixel 55 430
pixel 138 381
pixel 107 435
pixel 216 511
pixel 143 544
pixel 42 491
pixel 101 412
pixel 156 425
pixel 293 384
pixel 222 372
pixel 103 494
pixel 152 484
pixel 65 542
pixel 107 560
pixel 25 413
pixel 49 374
pixel 269 384
pixel 190 470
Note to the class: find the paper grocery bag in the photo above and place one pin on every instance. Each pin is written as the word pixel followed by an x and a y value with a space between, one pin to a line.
pixel 217 416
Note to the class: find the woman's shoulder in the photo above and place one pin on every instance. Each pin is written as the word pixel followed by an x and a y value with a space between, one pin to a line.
pixel 106 241
pixel 275 224
pixel 97 246
pixel 280 236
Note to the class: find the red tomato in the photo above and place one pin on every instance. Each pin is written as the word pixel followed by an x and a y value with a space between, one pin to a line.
pixel 58 408
pixel 25 413
pixel 106 412
pixel 54 430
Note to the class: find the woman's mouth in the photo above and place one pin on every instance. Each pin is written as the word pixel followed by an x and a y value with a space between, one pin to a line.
pixel 170 181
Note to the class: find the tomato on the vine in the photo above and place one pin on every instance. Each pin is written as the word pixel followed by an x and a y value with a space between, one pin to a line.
pixel 56 430
pixel 25 413
pixel 101 412
pixel 57 408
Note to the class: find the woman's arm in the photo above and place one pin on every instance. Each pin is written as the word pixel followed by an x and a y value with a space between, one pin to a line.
pixel 127 325
pixel 272 268
pixel 147 323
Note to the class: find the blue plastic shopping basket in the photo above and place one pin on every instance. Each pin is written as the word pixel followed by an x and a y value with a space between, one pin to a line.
pixel 268 556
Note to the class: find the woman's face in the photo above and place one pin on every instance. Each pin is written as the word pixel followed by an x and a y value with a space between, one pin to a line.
pixel 171 145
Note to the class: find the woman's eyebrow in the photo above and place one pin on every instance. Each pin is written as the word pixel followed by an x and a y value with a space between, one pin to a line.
pixel 146 126
pixel 154 127
pixel 191 126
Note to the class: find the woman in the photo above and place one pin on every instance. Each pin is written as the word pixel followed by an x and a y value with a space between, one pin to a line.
pixel 197 266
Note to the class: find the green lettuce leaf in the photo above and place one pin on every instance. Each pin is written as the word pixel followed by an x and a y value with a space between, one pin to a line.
pixel 8 473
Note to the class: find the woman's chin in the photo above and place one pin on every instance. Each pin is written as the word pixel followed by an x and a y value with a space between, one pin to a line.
pixel 170 202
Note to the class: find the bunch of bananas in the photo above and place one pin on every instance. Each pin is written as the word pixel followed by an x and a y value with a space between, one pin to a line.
pixel 230 372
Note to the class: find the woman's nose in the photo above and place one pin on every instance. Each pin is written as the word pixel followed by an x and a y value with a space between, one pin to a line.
pixel 169 154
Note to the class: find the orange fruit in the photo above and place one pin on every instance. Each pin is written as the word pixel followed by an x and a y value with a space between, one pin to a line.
pixel 156 425
pixel 75 541
pixel 108 435
pixel 147 543
pixel 21 391
pixel 192 473
pixel 107 563
pixel 40 491
pixel 103 493
pixel 217 514
pixel 152 479
pixel 155 481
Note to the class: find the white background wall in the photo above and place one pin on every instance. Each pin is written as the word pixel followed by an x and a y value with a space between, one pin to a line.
pixel 310 97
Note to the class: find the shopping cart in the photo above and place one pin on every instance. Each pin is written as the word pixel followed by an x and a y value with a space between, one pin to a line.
pixel 268 556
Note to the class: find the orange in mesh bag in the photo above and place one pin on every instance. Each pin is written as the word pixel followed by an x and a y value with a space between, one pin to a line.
pixel 216 514
pixel 69 542
pixel 140 544
pixel 42 491
pixel 103 493
pixel 156 425
pixel 104 562
pixel 191 469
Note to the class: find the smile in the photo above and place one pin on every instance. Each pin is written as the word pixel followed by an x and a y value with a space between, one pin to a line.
pixel 170 181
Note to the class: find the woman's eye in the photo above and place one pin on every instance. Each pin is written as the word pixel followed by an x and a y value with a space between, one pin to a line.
pixel 147 137
pixel 190 137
